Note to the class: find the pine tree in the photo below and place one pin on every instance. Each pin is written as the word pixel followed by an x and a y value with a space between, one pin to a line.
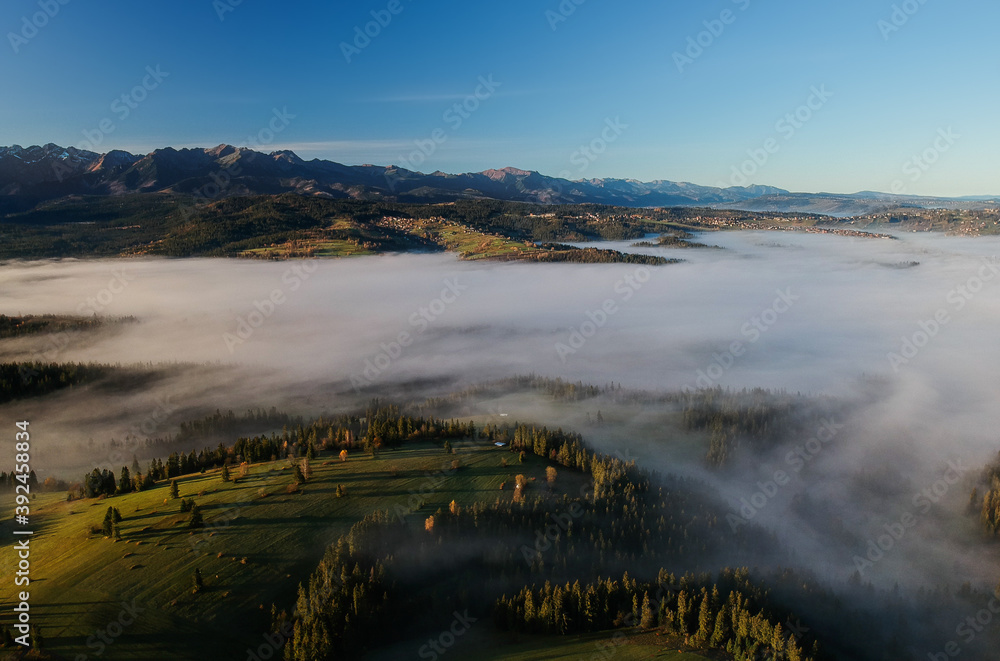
pixel 297 474
pixel 704 619
pixel 682 613
pixel 647 619
pixel 225 473
pixel 125 482
pixel 720 629
pixel 174 489
pixel 778 642
pixel 197 521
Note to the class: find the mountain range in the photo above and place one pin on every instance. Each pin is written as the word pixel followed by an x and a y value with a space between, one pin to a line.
pixel 31 175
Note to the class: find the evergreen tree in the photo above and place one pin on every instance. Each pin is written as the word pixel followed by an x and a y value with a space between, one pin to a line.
pixel 125 483
pixel 174 489
pixel 704 619
pixel 647 619
pixel 225 473
pixel 197 521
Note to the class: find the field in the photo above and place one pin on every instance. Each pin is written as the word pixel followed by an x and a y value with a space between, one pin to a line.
pixel 471 243
pixel 620 645
pixel 258 543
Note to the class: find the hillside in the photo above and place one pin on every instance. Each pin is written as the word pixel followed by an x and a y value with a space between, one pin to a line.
pixel 415 517
pixel 258 543
pixel 289 225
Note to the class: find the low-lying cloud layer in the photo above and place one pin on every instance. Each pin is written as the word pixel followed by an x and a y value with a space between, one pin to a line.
pixel 903 329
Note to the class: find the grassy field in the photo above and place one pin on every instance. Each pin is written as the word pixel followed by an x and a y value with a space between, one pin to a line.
pixel 484 644
pixel 258 543
pixel 319 247
pixel 471 243
pixel 592 647
pixel 97 598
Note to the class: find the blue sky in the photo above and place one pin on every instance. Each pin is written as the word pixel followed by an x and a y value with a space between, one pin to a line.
pixel 890 98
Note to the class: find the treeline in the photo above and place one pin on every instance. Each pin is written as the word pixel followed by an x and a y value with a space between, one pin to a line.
pixel 21 380
pixel 729 614
pixel 380 426
pixel 230 424
pixel 9 480
pixel 561 253
pixel 673 239
pixel 46 323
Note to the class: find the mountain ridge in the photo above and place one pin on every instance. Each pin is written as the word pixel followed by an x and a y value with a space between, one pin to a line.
pixel 43 172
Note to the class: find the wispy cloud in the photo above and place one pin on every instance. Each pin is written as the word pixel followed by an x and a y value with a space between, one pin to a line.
pixel 336 146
